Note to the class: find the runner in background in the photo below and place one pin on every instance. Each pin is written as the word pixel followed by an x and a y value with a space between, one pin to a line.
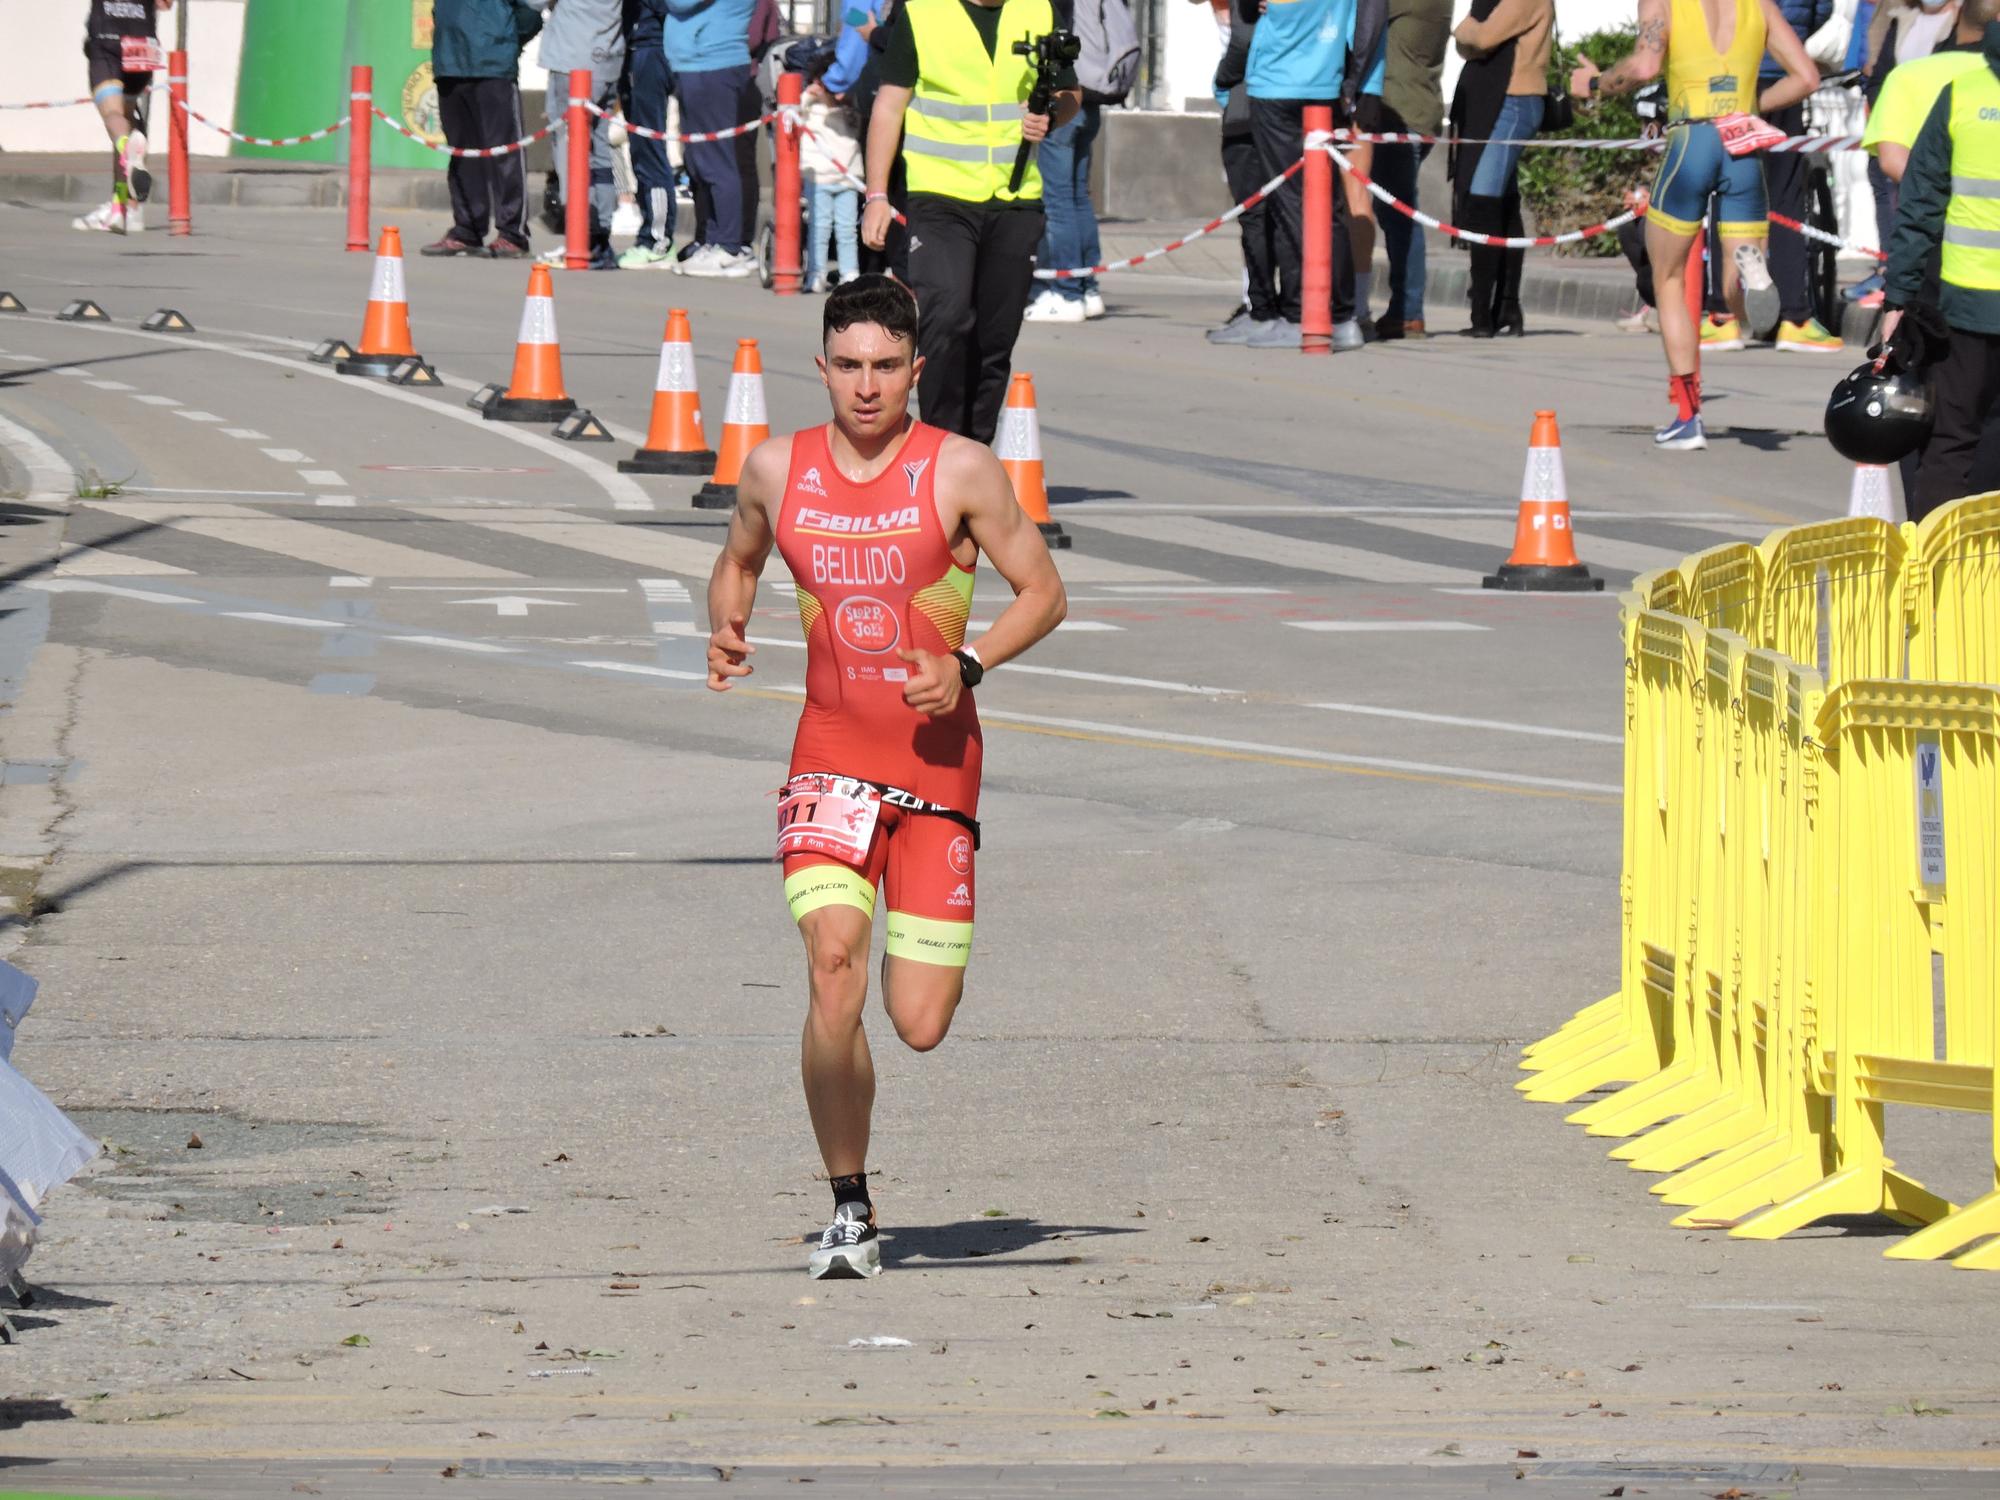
pixel 121 45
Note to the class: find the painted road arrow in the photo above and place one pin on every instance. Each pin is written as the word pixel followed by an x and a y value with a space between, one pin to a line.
pixel 515 604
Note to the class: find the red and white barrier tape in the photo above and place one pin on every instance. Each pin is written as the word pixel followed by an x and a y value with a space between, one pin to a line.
pixel 466 151
pixel 1185 240
pixel 258 140
pixel 50 103
pixel 1792 145
pixel 1320 142
pixel 703 137
pixel 1812 233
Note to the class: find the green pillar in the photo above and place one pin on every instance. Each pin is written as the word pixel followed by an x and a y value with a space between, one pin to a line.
pixel 291 80
pixel 394 38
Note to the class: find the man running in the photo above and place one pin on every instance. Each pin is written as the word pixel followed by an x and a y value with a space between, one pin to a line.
pixel 122 50
pixel 1711 63
pixel 881 520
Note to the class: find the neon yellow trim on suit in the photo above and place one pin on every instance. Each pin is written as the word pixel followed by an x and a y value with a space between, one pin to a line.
pixel 948 944
pixel 815 886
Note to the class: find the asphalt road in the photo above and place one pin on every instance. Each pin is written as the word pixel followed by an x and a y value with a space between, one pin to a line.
pixel 378 837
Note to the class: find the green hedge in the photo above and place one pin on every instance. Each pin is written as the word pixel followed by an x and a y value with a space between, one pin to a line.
pixel 1566 190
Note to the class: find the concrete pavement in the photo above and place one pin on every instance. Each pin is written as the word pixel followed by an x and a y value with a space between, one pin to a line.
pixel 449 930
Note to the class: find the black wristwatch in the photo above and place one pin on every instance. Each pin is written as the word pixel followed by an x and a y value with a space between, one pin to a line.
pixel 970 668
pixel 1596 82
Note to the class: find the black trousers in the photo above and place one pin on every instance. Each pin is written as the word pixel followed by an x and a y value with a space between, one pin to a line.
pixel 1279 128
pixel 972 266
pixel 1245 170
pixel 1785 182
pixel 486 189
pixel 1967 383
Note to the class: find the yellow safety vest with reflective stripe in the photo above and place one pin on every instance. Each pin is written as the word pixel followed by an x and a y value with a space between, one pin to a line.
pixel 962 129
pixel 1972 217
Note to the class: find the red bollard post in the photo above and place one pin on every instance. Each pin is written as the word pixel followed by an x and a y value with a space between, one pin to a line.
pixel 1695 278
pixel 787 273
pixel 576 177
pixel 360 133
pixel 180 219
pixel 1316 281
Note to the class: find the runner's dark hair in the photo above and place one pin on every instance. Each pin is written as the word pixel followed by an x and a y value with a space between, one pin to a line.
pixel 877 299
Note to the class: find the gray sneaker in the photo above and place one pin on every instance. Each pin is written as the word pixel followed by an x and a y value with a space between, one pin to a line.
pixel 1279 333
pixel 1239 329
pixel 1348 336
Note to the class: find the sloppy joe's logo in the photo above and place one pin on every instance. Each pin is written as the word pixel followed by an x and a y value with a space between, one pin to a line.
pixel 867 624
pixel 960 856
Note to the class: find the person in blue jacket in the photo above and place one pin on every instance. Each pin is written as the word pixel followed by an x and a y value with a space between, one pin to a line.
pixel 708 48
pixel 1309 52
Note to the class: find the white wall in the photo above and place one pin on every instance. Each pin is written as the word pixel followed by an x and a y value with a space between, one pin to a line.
pixel 43 59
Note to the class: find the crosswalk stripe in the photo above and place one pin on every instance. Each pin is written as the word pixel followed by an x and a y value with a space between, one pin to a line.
pixel 91 562
pixel 1082 567
pixel 1281 551
pixel 335 548
pixel 1634 557
pixel 642 546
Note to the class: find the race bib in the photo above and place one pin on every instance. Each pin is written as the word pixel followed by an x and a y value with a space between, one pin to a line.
pixel 140 54
pixel 1743 134
pixel 830 815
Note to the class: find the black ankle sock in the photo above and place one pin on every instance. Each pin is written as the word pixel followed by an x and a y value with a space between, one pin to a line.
pixel 853 1189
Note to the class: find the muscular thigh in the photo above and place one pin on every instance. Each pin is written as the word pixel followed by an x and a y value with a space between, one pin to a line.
pixel 928 885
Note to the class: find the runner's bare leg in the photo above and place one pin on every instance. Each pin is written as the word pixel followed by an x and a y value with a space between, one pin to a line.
pixel 1668 252
pixel 839 1074
pixel 921 999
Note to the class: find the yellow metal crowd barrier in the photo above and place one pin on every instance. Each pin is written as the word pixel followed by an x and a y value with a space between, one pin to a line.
pixel 1811 836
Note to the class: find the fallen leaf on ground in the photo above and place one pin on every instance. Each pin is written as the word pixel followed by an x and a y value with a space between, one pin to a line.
pixel 355 1341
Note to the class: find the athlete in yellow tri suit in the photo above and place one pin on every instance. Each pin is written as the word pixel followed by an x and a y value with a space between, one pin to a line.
pixel 1710 50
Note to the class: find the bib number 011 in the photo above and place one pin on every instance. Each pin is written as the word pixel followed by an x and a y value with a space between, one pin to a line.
pixel 830 815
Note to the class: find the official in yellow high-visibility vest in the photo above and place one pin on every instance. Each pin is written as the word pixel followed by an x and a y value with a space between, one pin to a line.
pixel 1951 209
pixel 955 94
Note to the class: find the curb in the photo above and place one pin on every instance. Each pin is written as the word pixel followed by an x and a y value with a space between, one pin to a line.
pixel 291 189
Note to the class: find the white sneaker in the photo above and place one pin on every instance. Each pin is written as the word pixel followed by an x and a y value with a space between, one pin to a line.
pixel 554 259
pixel 713 260
pixel 135 218
pixel 698 253
pixel 848 1248
pixel 132 165
pixel 1093 304
pixel 106 218
pixel 1053 307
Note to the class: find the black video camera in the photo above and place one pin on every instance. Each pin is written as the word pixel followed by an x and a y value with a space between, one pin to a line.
pixel 1052 52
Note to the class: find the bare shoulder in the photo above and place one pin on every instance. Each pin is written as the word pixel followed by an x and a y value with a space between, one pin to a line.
pixel 966 469
pixel 764 470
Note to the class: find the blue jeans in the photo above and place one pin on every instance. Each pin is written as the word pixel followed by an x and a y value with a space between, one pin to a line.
pixel 1071 236
pixel 1520 117
pixel 835 205
pixel 1396 169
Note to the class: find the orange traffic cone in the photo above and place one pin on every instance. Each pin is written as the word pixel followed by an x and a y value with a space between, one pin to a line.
pixel 745 424
pixel 536 392
pixel 1544 556
pixel 385 329
pixel 674 441
pixel 1019 447
pixel 1871 494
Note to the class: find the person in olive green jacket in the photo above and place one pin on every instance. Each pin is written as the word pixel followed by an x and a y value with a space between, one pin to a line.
pixel 1950 208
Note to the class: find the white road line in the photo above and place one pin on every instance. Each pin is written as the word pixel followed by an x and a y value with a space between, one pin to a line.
pixel 449 644
pixel 1142 590
pixel 90 586
pixel 151 398
pixel 1505 726
pixel 1067 625
pixel 74 371
pixel 167 489
pixel 248 434
pixel 1359 627
pixel 108 385
pixel 335 548
pixel 91 562
pixel 270 619
pixel 1083 510
pixel 197 416
pixel 338 501
pixel 638 669
pixel 286 455
pixel 1112 679
pixel 1327 757
pixel 325 478
pixel 1281 551
pixel 1636 557
pixel 1081 567
pixel 643 546
pixel 1482 592
pixel 51 481
pixel 339 581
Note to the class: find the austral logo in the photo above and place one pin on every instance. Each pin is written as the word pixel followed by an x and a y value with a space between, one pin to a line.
pixel 876 525
pixel 810 482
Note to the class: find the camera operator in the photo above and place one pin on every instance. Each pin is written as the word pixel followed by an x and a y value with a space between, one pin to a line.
pixel 959 80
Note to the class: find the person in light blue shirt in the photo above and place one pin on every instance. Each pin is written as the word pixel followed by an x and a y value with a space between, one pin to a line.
pixel 1309 52
pixel 708 47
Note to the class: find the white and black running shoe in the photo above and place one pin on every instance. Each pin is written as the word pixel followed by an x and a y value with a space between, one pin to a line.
pixel 848 1250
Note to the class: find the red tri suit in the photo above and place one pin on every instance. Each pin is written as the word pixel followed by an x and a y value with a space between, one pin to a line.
pixel 875 575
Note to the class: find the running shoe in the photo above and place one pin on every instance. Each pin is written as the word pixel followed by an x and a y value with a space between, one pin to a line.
pixel 1871 300
pixel 1051 306
pixel 503 248
pixel 848 1249
pixel 1808 337
pixel 1279 333
pixel 1349 335
pixel 1093 305
pixel 644 257
pixel 132 165
pixel 555 259
pixel 1761 305
pixel 1238 329
pixel 107 218
pixel 1683 434
pixel 1720 335
pixel 727 264
pixel 450 244
pixel 1863 289
pixel 1640 320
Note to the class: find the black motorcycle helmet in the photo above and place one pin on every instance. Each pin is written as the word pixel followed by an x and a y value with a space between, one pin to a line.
pixel 1878 416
